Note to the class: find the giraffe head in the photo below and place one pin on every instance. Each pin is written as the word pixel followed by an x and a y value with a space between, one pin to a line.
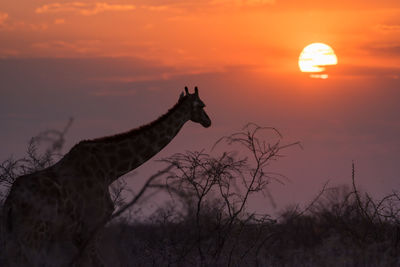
pixel 197 113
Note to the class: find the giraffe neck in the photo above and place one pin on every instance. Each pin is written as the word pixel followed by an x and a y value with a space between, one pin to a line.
pixel 119 154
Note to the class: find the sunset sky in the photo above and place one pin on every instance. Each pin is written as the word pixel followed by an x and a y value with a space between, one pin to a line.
pixel 115 65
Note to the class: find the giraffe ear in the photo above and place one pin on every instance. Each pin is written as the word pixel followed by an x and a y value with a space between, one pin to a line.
pixel 186 90
pixel 181 96
pixel 196 91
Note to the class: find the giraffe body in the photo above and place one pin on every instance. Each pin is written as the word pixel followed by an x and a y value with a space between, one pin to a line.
pixel 50 214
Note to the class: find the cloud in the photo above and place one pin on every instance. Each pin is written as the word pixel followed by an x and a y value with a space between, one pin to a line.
pixel 390 49
pixel 244 2
pixel 356 5
pixel 115 92
pixel 64 48
pixel 204 4
pixel 368 71
pixel 200 5
pixel 8 52
pixel 156 8
pixel 3 18
pixel 59 21
pixel 86 9
pixel 38 27
pixel 388 28
pixel 168 73
pixel 7 24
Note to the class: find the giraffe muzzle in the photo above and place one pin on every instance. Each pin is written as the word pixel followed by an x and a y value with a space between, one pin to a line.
pixel 205 120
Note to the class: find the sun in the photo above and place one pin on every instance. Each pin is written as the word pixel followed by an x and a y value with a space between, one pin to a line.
pixel 315 57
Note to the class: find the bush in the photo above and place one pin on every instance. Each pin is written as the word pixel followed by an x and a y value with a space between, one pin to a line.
pixel 206 222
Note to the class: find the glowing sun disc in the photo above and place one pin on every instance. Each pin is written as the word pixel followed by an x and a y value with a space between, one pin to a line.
pixel 315 56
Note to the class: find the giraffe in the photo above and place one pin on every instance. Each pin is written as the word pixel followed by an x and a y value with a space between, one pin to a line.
pixel 50 214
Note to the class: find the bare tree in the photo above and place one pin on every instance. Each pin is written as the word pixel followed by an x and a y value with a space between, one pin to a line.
pixel 216 189
pixel 50 141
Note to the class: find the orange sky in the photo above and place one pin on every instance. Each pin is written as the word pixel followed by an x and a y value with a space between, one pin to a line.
pixel 212 33
pixel 117 64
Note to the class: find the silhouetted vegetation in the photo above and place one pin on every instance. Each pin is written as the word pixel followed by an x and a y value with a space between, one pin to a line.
pixel 207 221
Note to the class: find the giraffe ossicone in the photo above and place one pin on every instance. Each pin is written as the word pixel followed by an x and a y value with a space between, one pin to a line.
pixel 50 214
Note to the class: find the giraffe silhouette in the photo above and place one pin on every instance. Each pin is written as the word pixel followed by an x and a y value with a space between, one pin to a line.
pixel 50 214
